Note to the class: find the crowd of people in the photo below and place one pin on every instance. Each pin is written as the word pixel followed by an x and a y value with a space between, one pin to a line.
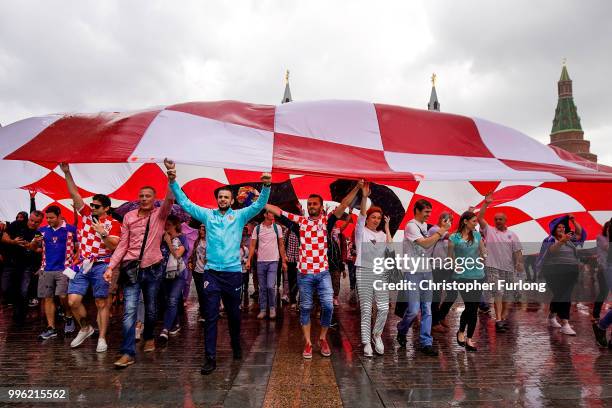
pixel 295 260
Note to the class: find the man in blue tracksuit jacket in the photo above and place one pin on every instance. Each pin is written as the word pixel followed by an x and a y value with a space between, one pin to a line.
pixel 222 273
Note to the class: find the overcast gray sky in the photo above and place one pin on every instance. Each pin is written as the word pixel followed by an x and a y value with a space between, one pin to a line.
pixel 494 60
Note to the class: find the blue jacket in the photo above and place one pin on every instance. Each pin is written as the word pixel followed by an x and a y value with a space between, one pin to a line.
pixel 223 231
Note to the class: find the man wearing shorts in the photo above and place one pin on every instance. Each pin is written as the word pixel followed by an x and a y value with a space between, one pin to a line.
pixel 98 236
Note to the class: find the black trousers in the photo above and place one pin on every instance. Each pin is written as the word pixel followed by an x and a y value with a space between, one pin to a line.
pixel 18 278
pixel 471 299
pixel 198 280
pixel 469 316
pixel 561 280
pixel 293 285
pixel 603 291
pixel 352 271
pixel 225 286
pixel 440 310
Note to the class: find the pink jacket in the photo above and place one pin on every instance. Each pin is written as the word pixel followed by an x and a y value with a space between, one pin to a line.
pixel 132 234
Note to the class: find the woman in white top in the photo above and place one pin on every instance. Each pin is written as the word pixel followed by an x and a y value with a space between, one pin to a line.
pixel 371 243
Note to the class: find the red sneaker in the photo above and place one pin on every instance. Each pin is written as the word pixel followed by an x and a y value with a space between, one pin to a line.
pixel 307 351
pixel 325 350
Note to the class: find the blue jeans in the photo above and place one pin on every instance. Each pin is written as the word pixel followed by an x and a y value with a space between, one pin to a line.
pixel 418 299
pixel 266 273
pixel 606 321
pixel 321 282
pixel 140 313
pixel 149 284
pixel 226 286
pixel 17 277
pixel 173 289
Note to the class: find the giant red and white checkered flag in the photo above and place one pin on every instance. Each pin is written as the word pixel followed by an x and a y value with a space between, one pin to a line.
pixel 449 159
pixel 333 138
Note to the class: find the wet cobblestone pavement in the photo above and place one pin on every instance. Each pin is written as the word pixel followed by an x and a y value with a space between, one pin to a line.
pixel 530 365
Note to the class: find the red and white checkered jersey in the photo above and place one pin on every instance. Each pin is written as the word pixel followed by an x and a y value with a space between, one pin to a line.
pixel 92 246
pixel 313 243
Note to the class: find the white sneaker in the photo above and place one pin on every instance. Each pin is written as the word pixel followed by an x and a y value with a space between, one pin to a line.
pixel 552 322
pixel 81 336
pixel 367 350
pixel 378 344
pixel 567 329
pixel 102 346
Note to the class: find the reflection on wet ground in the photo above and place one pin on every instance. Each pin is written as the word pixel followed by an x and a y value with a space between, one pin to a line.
pixel 530 365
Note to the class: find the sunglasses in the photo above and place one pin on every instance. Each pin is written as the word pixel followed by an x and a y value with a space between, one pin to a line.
pixel 95 206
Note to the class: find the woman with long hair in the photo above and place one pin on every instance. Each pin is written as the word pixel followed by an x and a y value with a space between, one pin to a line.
pixel 468 252
pixel 196 264
pixel 174 247
pixel 559 262
pixel 441 302
pixel 371 243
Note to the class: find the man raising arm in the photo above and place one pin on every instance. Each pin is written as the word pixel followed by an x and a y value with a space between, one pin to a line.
pixel 313 264
pixel 98 236
pixel 504 260
pixel 139 256
pixel 222 276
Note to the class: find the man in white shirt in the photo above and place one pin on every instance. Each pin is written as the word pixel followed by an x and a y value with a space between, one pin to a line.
pixel 417 244
pixel 504 259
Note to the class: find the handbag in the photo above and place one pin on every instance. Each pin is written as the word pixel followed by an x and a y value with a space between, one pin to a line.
pixel 394 275
pixel 130 270
pixel 174 266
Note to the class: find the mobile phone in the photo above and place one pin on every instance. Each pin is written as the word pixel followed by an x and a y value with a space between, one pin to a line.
pixel 95 218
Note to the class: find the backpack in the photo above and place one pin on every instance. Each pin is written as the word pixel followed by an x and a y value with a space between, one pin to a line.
pixel 277 237
pixel 334 254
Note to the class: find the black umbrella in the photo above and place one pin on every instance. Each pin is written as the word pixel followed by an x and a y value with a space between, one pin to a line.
pixel 381 196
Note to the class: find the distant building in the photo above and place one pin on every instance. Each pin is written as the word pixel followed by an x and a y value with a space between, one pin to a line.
pixel 566 130
pixel 433 104
pixel 287 94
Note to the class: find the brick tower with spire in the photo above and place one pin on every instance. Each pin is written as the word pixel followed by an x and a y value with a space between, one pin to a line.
pixel 566 130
